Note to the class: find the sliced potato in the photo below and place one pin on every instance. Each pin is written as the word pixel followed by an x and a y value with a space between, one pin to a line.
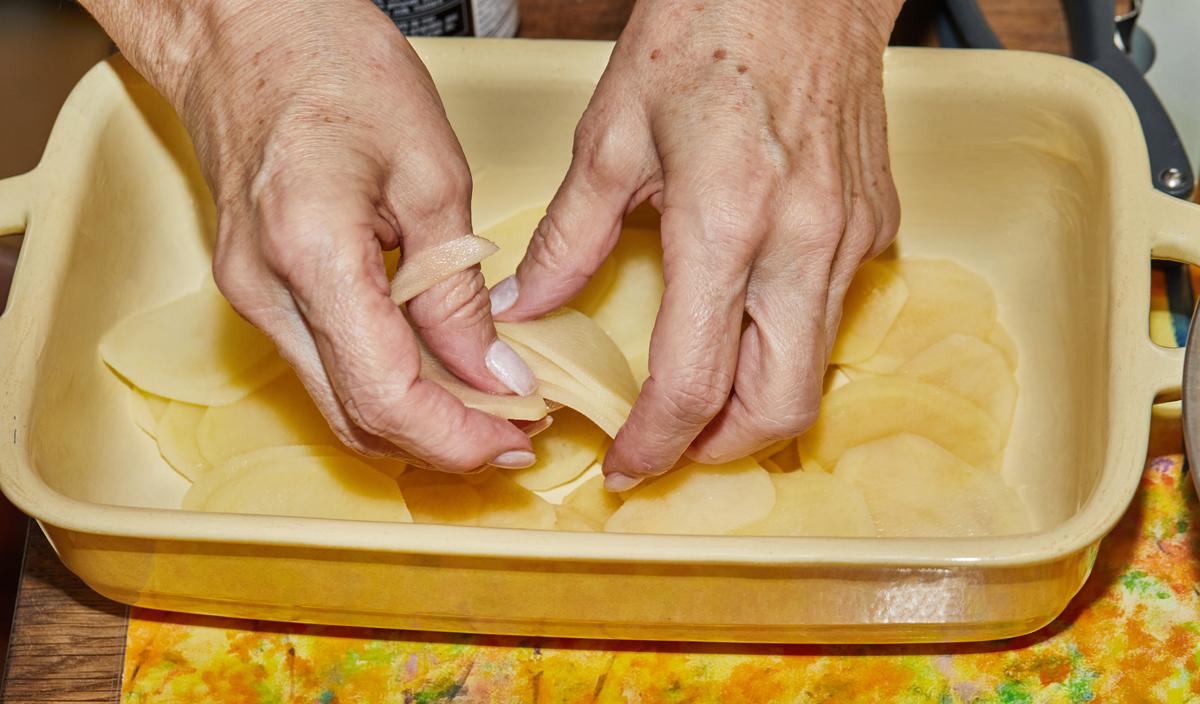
pixel 194 349
pixel 772 449
pixel 505 504
pixel 198 495
pixel 788 457
pixel 329 486
pixel 1000 338
pixel 555 384
pixel 943 298
pixel 915 488
pixel 593 501
pixel 873 301
pixel 147 409
pixel 815 504
pixel 277 415
pixel 699 499
pixel 835 377
pixel 971 368
pixel 564 451
pixel 176 435
pixel 575 522
pixel 455 504
pixel 640 366
pixel 625 296
pixel 867 410
pixel 428 267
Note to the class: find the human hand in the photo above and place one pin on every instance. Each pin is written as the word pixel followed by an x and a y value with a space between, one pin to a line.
pixel 758 130
pixel 324 140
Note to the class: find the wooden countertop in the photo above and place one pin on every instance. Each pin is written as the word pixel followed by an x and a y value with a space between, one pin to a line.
pixel 68 642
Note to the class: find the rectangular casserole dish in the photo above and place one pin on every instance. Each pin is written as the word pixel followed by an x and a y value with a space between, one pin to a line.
pixel 1028 169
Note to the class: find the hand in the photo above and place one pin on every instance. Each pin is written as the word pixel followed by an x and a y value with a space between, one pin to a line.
pixel 758 130
pixel 324 140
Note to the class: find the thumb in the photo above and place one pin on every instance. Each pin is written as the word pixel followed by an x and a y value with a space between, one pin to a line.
pixel 609 174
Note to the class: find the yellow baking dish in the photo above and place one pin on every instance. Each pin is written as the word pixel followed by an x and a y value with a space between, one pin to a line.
pixel 1026 168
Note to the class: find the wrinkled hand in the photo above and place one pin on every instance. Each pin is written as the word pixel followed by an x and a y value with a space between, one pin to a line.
pixel 758 130
pixel 324 140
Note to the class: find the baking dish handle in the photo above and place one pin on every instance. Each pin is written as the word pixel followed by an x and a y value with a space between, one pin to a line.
pixel 1175 235
pixel 16 202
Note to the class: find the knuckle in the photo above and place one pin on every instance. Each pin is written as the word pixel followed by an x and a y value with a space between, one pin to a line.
pixel 371 413
pixel 696 398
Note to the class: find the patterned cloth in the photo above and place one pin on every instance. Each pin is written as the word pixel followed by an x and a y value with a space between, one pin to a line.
pixel 1131 635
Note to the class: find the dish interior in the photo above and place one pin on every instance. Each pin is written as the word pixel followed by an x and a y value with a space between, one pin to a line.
pixel 1012 189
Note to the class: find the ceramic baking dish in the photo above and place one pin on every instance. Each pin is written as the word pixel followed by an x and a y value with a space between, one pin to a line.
pixel 1026 168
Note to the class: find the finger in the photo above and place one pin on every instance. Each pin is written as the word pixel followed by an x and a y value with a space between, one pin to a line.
pixel 611 164
pixel 365 346
pixel 795 299
pixel 693 356
pixel 453 316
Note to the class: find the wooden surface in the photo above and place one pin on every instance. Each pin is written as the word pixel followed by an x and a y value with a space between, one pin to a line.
pixel 68 642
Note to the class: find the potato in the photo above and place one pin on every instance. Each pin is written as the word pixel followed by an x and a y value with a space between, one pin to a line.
pixel 867 410
pixel 772 449
pixel 176 436
pixel 574 342
pixel 788 457
pixel 640 366
pixel 625 296
pixel 203 487
pixel 972 368
pixel 447 504
pixel 555 384
pixel 814 504
pixel 564 450
pixel 873 301
pixel 195 349
pixel 943 298
pixel 699 499
pixel 331 485
pixel 576 522
pixel 277 415
pixel 421 271
pixel 1002 341
pixel 593 501
pixel 147 409
pixel 505 504
pixel 915 488
pixel 835 378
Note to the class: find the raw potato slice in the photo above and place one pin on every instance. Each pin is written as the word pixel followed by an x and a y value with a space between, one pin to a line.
pixel 626 306
pixel 640 366
pixel 591 500
pixel 699 499
pixel 147 409
pixel 572 341
pixel 203 488
pixel 556 385
pixel 815 504
pixel 531 407
pixel 447 504
pixel 972 368
pixel 867 410
pixel 429 267
pixel 835 378
pixel 576 522
pixel 856 374
pixel 177 439
pixel 512 237
pixel 788 458
pixel 564 451
pixel 194 349
pixel 277 415
pixel 332 486
pixel 872 303
pixel 773 449
pixel 943 298
pixel 914 488
pixel 1000 338
pixel 504 504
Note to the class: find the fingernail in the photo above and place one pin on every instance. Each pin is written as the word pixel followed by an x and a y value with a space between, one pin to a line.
pixel 514 459
pixel 506 365
pixel 620 482
pixel 504 295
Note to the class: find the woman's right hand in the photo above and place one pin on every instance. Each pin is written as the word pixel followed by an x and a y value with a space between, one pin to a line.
pixel 324 142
